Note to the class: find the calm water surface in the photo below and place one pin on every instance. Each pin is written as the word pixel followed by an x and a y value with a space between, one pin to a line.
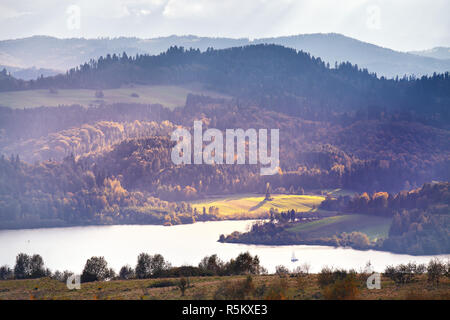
pixel 69 248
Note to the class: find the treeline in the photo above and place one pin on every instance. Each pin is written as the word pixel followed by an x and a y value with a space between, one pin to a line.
pixel 147 267
pixel 334 283
pixel 386 204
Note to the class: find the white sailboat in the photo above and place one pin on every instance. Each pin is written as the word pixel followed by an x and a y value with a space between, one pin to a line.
pixel 293 259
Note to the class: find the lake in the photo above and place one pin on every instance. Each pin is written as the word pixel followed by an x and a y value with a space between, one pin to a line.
pixel 69 248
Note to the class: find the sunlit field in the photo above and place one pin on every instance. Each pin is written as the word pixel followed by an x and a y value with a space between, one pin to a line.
pixel 253 205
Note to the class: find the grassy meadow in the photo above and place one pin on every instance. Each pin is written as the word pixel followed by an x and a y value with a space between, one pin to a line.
pixel 168 96
pixel 373 226
pixel 251 205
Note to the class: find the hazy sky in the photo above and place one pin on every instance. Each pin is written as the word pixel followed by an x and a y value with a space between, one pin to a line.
pixel 398 24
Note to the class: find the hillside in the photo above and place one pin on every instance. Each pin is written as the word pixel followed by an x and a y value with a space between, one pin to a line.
pixel 274 77
pixel 63 54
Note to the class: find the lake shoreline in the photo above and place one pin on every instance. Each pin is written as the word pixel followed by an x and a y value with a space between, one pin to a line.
pixel 64 224
pixel 68 248
pixel 324 243
pixel 314 242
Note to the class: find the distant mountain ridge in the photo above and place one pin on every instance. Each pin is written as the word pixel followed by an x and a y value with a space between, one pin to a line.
pixel 62 54
pixel 436 52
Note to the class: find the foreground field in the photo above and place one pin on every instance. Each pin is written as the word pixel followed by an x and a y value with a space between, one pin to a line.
pixel 206 288
pixel 168 96
pixel 254 205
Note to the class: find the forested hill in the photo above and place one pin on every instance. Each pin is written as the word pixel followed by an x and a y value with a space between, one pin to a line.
pixel 270 75
pixel 62 54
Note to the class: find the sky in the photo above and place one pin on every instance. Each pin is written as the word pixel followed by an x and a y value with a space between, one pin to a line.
pixel 398 24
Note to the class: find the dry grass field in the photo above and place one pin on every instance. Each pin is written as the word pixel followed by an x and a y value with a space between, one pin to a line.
pixel 206 288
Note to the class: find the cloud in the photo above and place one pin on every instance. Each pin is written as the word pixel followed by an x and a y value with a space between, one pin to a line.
pixel 9 13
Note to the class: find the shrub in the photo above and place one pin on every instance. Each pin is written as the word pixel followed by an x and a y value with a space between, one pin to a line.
pixel 329 276
pixel 303 269
pixel 278 290
pixel 435 270
pixel 404 273
pixel 281 271
pixel 342 289
pixel 235 290
pixel 325 277
pixel 183 284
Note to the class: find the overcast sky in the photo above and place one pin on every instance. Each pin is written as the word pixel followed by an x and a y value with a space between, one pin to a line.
pixel 397 24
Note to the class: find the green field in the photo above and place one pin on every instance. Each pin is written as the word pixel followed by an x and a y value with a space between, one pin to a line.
pixel 374 227
pixel 168 96
pixel 254 205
